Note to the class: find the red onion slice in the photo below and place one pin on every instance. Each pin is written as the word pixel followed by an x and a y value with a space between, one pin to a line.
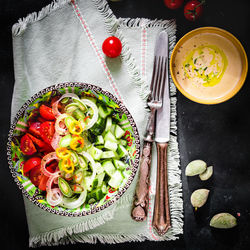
pixel 53 196
pixel 55 140
pixel 47 159
pixel 55 110
pixel 58 128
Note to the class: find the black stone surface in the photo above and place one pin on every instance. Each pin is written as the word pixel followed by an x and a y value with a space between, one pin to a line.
pixel 218 134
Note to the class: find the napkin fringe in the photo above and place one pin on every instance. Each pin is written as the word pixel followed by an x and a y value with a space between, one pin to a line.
pixel 168 25
pixel 21 25
pixel 70 233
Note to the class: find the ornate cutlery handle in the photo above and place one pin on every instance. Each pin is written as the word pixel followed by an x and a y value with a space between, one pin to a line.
pixel 140 209
pixel 161 218
pixel 139 212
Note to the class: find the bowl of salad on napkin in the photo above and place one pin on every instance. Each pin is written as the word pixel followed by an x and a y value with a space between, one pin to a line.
pixel 73 149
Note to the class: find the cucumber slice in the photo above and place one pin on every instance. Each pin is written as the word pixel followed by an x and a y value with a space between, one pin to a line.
pixel 65 141
pixel 121 150
pixel 65 187
pixel 110 145
pixel 98 127
pixel 78 114
pixel 119 132
pixel 99 168
pixel 82 162
pixel 116 179
pixel 95 195
pixel 119 164
pixel 89 182
pixel 126 173
pixel 68 120
pixel 99 140
pixel 100 178
pixel 96 153
pixel 110 137
pixel 108 154
pixel 112 129
pixel 104 111
pixel 108 123
pixel 109 168
pixel 95 183
pixel 104 188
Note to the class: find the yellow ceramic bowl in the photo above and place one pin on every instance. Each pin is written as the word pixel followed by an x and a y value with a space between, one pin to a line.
pixel 234 83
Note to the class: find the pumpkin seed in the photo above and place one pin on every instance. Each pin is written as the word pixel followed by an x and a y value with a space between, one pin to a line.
pixel 199 197
pixel 207 173
pixel 195 167
pixel 223 220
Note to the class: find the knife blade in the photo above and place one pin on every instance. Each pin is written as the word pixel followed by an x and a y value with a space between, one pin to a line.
pixel 161 217
pixel 162 130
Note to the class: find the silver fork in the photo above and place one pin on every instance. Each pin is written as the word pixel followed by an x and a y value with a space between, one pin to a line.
pixel 140 209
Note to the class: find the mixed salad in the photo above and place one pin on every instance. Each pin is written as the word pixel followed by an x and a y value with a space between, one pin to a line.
pixel 75 150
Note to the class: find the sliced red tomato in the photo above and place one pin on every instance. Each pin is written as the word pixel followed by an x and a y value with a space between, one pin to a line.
pixel 46 149
pixel 36 175
pixel 47 131
pixel 40 119
pixel 31 163
pixel 27 146
pixel 43 182
pixel 46 112
pixel 37 141
pixel 34 129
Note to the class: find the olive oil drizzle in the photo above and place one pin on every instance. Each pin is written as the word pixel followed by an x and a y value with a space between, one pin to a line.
pixel 207 73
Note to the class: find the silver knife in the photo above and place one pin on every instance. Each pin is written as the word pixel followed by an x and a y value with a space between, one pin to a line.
pixel 161 217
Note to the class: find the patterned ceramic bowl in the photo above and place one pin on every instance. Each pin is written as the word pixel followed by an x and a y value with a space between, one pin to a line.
pixel 16 158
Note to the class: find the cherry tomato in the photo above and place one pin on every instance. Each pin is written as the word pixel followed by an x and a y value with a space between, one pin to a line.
pixel 46 112
pixel 193 10
pixel 173 4
pixel 31 163
pixel 47 131
pixel 112 47
pixel 36 175
pixel 34 128
pixel 27 146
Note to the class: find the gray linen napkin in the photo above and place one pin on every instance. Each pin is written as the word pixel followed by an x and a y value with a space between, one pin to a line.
pixel 62 43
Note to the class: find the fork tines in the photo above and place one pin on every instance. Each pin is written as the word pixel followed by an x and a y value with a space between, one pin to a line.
pixel 158 79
